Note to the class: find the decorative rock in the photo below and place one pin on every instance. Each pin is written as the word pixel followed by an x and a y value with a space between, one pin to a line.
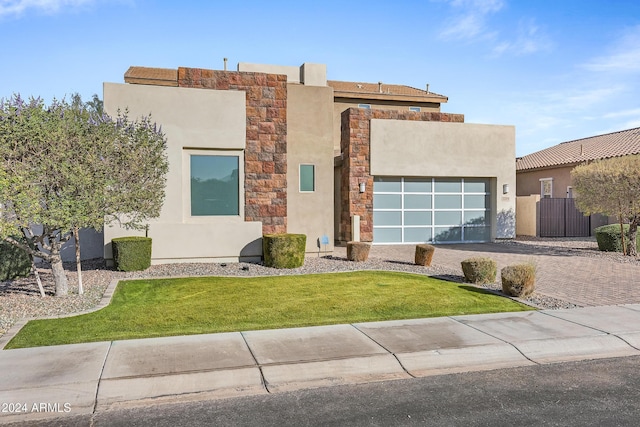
pixel 424 254
pixel 358 251
pixel 518 280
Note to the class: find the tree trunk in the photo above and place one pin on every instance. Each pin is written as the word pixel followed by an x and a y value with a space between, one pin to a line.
pixel 34 270
pixel 633 231
pixel 76 234
pixel 28 237
pixel 57 269
pixel 624 246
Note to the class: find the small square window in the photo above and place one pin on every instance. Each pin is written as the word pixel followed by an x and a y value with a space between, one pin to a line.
pixel 307 178
pixel 365 106
pixel 416 109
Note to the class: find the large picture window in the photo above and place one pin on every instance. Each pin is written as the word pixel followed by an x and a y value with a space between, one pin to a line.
pixel 214 185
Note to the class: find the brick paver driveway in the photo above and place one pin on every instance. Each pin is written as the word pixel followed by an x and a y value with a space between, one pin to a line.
pixel 560 273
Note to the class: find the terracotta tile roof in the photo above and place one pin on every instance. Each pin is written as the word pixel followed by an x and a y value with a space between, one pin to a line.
pixel 614 144
pixel 152 76
pixel 361 89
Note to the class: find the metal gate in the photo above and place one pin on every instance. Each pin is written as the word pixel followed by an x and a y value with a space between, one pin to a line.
pixel 561 218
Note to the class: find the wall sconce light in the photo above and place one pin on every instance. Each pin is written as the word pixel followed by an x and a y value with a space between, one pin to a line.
pixel 362 187
pixel 505 188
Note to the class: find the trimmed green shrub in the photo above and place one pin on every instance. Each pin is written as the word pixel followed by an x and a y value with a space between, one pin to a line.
pixel 609 240
pixel 14 262
pixel 518 280
pixel 284 250
pixel 131 253
pixel 424 254
pixel 479 270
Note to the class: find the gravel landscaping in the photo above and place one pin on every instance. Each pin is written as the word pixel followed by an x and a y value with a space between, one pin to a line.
pixel 21 298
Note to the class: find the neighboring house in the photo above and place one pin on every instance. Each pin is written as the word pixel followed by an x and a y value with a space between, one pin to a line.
pixel 274 149
pixel 546 174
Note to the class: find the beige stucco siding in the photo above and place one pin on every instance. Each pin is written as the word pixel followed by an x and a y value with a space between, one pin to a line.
pixel 527 215
pixel 442 149
pixel 528 182
pixel 309 141
pixel 341 104
pixel 194 121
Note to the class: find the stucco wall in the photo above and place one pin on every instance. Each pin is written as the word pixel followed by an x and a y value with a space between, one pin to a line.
pixel 309 141
pixel 342 104
pixel 527 215
pixel 528 182
pixel 445 149
pixel 193 120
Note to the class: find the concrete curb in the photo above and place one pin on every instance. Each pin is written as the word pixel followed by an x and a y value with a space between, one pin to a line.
pixel 86 377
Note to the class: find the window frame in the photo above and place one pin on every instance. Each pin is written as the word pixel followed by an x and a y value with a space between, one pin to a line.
pixel 186 184
pixel 313 166
pixel 542 192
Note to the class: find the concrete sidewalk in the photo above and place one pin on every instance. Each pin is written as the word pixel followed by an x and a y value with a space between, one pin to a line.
pixel 69 380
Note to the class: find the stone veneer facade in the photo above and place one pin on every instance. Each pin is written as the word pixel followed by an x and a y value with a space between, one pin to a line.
pixel 265 157
pixel 355 149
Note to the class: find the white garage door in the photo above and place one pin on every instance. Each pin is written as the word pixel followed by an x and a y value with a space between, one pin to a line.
pixel 419 210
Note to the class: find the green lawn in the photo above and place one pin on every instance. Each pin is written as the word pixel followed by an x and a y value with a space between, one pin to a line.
pixel 163 307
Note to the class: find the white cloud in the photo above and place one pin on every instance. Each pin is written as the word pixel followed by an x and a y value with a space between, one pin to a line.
pixel 624 55
pixel 17 7
pixel 471 22
pixel 464 27
pixel 529 40
pixel 634 112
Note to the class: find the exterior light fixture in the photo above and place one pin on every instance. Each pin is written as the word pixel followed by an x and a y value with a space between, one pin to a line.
pixel 362 187
pixel 505 188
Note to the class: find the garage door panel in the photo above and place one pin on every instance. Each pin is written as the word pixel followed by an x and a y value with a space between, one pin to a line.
pixel 480 234
pixel 418 210
pixel 387 184
pixel 387 201
pixel 448 217
pixel 387 235
pixel 476 185
pixel 415 185
pixel 446 201
pixel 387 218
pixel 448 234
pixel 476 218
pixel 417 201
pixel 417 234
pixel 444 185
pixel 416 218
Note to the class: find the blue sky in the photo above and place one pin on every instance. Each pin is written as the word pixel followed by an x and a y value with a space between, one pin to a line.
pixel 557 70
